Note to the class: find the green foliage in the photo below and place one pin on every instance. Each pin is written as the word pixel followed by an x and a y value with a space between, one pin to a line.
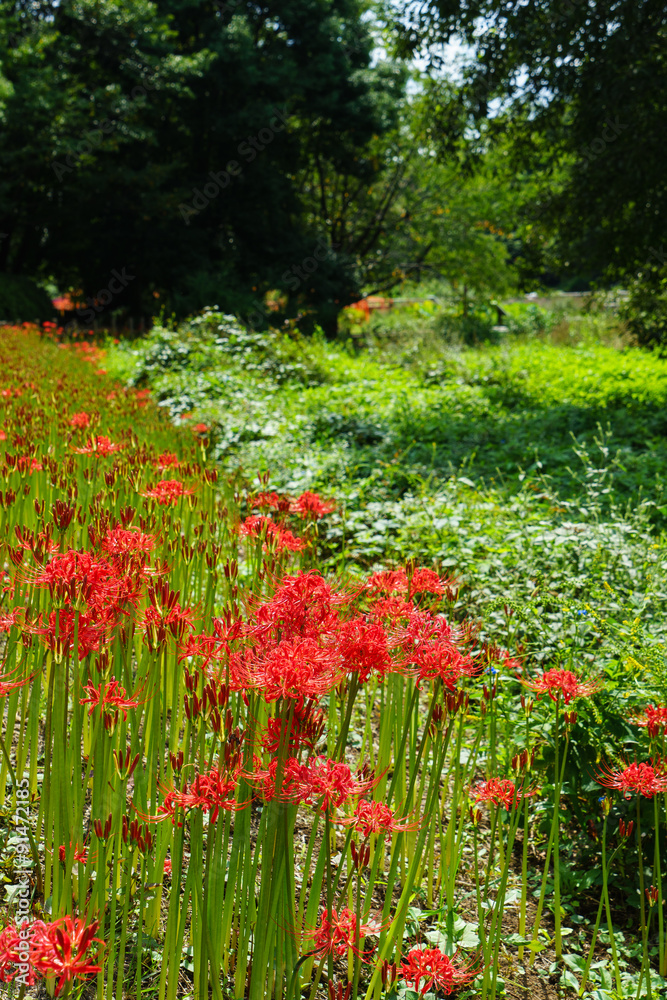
pixel 645 309
pixel 21 299
pixel 113 125
pixel 580 90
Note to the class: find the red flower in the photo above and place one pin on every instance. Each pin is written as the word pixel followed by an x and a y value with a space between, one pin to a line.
pixel 339 932
pixel 9 953
pixel 210 792
pixel 80 420
pixel 59 633
pixel 364 647
pixel 561 682
pixel 294 668
pixel 122 541
pixel 427 581
pixel 200 429
pixel 7 621
pixel 440 658
pixel 272 501
pixel 167 460
pixel 99 445
pixel 75 577
pixel 157 621
pixel 302 605
pixel 636 779
pixel 499 791
pixel 376 817
pixel 392 608
pixel 111 697
pixel 328 780
pixel 25 463
pixel 60 948
pixel 167 491
pixel 80 853
pixel 274 534
pixel 311 505
pixel 654 719
pixel 306 729
pixel 388 581
pixel 435 969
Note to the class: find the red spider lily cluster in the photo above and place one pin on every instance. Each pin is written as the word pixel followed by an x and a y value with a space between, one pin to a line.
pixel 62 948
pixel 205 686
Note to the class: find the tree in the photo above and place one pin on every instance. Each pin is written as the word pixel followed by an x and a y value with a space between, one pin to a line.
pixel 162 141
pixel 577 85
pixel 410 216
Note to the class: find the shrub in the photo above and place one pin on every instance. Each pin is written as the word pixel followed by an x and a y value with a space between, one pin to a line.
pixel 21 300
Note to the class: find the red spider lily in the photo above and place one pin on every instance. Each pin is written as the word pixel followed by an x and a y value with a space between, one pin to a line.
pixel 320 781
pixel 80 853
pixel 294 668
pixel 9 953
pixel 168 491
pixel 388 581
pixel 303 605
pixel 158 621
pixel 376 817
pixel 561 682
pixel 39 543
pixel 392 608
pixel 274 534
pixel 499 791
pixel 272 501
pixel 75 577
pixel 111 697
pixel 206 647
pixel 122 542
pixel 340 932
pixel 434 970
pixel 100 445
pixel 399 582
pixel 58 634
pixel 210 792
pixel 8 621
pixel 26 463
pixel 7 685
pixel 60 948
pixel 306 728
pixel 167 460
pixel 636 779
pixel 311 505
pixel 200 428
pixel 654 719
pixel 428 581
pixel 364 647
pixel 80 420
pixel 439 658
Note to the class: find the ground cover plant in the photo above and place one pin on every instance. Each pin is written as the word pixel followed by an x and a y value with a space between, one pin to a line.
pixel 244 757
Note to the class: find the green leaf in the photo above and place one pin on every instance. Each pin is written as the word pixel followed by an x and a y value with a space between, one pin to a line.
pixel 575 962
pixel 569 979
